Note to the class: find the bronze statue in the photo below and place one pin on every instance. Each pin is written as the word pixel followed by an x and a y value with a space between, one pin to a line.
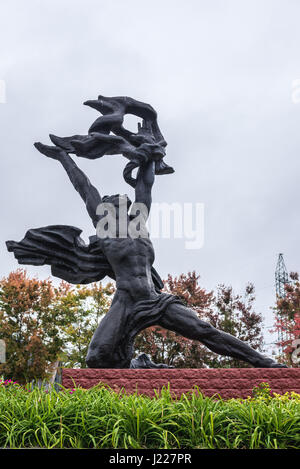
pixel 138 302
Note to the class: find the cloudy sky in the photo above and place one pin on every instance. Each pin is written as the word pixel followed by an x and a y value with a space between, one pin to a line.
pixel 220 73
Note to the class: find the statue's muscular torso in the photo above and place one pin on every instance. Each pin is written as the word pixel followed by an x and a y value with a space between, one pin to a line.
pixel 131 260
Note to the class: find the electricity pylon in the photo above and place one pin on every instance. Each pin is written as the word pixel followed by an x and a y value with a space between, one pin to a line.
pixel 281 279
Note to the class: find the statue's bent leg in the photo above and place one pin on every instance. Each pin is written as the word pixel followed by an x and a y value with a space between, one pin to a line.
pixel 183 320
pixel 110 346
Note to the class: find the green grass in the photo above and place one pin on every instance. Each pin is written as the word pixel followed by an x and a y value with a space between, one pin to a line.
pixel 101 418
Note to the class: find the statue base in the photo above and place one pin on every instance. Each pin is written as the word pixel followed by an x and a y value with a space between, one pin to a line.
pixel 227 382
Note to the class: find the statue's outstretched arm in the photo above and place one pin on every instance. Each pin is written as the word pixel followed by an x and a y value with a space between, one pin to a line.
pixel 144 182
pixel 80 181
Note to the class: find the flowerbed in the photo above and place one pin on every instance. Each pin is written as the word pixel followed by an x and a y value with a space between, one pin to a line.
pixel 101 418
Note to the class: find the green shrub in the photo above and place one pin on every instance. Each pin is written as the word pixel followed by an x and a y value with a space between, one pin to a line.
pixel 101 418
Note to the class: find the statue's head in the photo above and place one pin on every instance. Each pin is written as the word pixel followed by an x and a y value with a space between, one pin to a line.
pixel 119 201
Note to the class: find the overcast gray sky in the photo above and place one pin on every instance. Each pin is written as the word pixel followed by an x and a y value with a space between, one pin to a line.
pixel 220 75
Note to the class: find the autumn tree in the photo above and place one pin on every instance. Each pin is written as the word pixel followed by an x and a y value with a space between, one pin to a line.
pixel 30 324
pixel 234 314
pixel 42 324
pixel 224 310
pixel 86 306
pixel 287 313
